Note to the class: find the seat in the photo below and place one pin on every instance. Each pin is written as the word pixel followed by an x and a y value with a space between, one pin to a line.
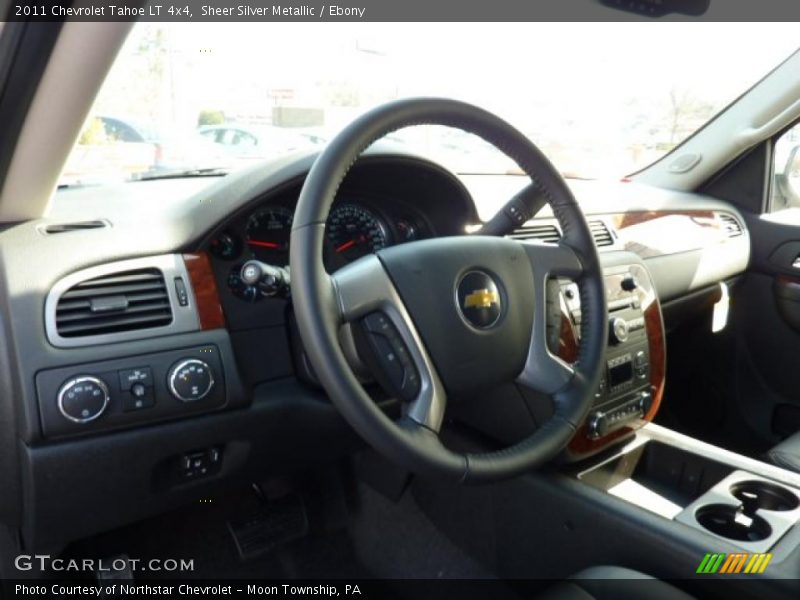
pixel 613 583
pixel 786 455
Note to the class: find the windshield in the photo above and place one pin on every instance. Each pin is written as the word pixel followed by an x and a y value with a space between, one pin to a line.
pixel 601 100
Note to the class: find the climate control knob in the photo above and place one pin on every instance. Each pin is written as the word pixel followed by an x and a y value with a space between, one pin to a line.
pixel 83 399
pixel 190 379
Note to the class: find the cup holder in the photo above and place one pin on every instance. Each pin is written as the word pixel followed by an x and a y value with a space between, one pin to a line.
pixel 727 521
pixel 756 495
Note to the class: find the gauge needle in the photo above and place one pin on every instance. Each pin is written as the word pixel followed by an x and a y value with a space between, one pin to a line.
pixel 345 246
pixel 271 245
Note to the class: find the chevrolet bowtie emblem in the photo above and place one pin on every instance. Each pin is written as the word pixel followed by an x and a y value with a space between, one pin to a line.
pixel 483 298
pixel 479 299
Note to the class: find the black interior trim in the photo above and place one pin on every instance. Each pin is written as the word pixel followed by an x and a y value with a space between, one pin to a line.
pixel 742 182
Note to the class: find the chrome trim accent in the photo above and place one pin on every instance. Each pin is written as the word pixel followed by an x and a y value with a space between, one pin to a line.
pixel 174 371
pixel 743 468
pixel 184 318
pixel 364 286
pixel 780 522
pixel 544 371
pixel 63 390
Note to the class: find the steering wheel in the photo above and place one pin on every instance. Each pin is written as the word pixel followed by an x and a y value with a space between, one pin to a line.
pixel 446 315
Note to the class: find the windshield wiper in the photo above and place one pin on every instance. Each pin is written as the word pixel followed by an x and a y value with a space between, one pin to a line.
pixel 180 173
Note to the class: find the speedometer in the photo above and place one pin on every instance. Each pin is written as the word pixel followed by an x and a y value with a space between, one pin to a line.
pixel 354 231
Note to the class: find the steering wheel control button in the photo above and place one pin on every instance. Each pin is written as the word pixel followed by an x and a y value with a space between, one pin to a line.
pixel 518 212
pixel 190 380
pixel 130 377
pixel 389 357
pixel 478 300
pixel 83 399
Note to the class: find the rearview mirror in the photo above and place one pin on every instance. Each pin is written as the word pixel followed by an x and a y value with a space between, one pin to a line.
pixel 660 8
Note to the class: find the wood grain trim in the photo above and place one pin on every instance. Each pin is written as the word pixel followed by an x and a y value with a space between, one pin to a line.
pixel 657 345
pixel 623 221
pixel 206 295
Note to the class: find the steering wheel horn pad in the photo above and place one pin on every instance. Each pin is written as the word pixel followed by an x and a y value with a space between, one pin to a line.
pixel 427 276
pixel 472 310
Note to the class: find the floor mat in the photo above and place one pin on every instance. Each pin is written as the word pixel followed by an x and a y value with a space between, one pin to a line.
pixel 201 534
pixel 397 540
pixel 380 538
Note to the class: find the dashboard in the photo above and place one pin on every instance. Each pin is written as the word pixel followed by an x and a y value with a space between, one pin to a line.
pixel 139 315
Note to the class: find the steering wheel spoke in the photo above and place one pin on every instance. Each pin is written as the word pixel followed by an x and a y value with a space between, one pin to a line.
pixel 369 304
pixel 544 371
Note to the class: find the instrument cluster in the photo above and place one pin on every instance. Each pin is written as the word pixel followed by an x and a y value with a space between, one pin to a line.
pixel 356 227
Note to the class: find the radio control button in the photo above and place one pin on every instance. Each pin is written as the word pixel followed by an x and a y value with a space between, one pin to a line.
pixel 629 283
pixel 645 402
pixel 618 330
pixel 597 425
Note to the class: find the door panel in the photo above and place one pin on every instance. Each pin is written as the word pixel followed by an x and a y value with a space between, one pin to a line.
pixel 767 313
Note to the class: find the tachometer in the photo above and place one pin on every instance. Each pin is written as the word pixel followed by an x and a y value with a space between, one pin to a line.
pixel 268 232
pixel 354 231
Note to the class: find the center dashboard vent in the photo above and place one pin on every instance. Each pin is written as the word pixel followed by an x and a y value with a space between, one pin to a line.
pixel 550 233
pixel 600 233
pixel 731 226
pixel 544 232
pixel 122 301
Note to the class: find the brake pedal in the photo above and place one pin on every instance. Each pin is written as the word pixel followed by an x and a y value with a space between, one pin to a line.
pixel 273 524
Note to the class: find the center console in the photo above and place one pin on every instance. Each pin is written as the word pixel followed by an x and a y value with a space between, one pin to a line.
pixel 735 500
pixel 632 383
pixel 742 510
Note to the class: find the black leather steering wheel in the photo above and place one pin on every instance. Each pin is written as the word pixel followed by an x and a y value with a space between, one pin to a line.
pixel 464 312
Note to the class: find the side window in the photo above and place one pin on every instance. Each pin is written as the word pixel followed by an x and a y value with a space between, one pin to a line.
pixel 786 171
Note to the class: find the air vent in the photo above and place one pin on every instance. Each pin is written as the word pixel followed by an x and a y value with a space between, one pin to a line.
pixel 78 226
pixel 546 233
pixel 731 226
pixel 123 301
pixel 600 233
